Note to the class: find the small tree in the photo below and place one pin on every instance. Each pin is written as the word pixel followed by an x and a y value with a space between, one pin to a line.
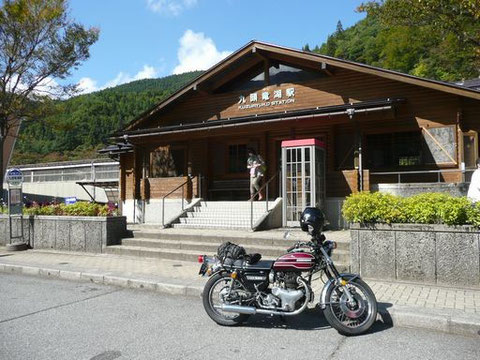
pixel 38 44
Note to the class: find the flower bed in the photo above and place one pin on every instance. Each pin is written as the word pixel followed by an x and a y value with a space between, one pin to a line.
pixel 81 208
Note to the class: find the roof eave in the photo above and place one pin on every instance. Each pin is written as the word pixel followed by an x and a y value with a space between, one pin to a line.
pixel 346 64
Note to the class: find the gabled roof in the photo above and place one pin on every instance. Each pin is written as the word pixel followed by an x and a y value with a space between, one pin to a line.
pixel 322 61
pixel 471 84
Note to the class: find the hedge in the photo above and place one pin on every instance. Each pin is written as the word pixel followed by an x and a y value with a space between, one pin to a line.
pixel 81 208
pixel 427 208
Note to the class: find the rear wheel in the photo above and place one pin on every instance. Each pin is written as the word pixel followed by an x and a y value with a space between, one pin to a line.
pixel 351 318
pixel 217 292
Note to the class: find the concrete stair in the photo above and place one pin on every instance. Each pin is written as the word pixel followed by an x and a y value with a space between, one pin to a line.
pixel 151 242
pixel 223 215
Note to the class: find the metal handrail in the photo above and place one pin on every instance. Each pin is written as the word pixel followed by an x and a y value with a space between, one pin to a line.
pixel 171 192
pixel 264 186
pixel 438 172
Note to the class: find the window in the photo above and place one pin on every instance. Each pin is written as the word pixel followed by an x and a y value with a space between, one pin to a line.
pixel 279 74
pixel 344 150
pixel 237 158
pixel 394 150
pixel 168 162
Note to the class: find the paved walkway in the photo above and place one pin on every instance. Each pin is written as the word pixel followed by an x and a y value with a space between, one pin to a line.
pixel 454 310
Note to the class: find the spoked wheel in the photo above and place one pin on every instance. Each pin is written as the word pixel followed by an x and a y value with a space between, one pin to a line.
pixel 217 292
pixel 351 318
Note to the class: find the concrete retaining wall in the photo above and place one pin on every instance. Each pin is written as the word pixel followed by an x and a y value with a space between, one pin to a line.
pixel 69 233
pixel 437 254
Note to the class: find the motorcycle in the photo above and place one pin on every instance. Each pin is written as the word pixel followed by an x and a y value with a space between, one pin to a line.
pixel 242 286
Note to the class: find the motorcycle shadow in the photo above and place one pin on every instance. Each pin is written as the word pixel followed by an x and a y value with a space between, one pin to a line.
pixel 313 319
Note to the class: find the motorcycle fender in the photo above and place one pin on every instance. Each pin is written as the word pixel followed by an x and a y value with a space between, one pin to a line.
pixel 323 296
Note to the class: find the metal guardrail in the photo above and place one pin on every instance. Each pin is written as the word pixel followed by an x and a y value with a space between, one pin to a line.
pixel 264 186
pixel 438 172
pixel 70 173
pixel 171 192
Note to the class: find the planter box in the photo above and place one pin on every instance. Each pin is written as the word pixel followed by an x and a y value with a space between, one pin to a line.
pixel 69 233
pixel 436 254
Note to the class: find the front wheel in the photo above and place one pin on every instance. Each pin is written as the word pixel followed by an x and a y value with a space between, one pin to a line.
pixel 220 290
pixel 351 318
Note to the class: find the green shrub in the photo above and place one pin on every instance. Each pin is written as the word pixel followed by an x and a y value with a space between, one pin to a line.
pixel 365 207
pixel 473 215
pixel 80 208
pixel 427 208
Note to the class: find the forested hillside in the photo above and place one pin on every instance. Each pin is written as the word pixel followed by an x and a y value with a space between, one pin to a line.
pixel 81 125
pixel 437 39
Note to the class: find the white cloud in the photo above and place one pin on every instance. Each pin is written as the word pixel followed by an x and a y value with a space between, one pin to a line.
pixel 87 85
pixel 170 7
pixel 197 52
pixel 147 72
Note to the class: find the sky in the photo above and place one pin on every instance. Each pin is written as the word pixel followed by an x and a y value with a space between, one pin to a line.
pixel 156 38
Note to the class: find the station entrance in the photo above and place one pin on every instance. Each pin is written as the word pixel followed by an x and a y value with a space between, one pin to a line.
pixel 303 178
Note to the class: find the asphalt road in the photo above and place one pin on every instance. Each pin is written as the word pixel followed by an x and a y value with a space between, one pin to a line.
pixel 55 319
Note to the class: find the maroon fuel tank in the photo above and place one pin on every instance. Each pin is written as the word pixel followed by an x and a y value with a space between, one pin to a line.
pixel 299 261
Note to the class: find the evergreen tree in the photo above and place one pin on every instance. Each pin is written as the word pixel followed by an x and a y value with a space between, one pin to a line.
pixel 339 28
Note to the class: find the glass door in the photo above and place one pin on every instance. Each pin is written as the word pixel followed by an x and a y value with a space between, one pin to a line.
pixel 297 168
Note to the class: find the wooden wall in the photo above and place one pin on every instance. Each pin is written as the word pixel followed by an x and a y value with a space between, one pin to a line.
pixel 126 176
pixel 424 107
pixel 207 149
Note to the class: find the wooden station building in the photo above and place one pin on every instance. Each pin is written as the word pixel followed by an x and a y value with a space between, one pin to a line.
pixel 378 127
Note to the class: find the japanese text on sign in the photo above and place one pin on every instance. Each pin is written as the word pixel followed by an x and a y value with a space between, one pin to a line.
pixel 251 101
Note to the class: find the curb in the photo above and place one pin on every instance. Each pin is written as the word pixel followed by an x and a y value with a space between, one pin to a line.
pixel 436 320
pixel 401 316
pixel 161 287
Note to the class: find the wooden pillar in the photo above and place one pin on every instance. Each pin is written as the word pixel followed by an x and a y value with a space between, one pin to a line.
pixel 138 161
pixel 122 186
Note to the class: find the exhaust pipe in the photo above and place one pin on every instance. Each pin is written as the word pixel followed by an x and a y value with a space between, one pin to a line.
pixel 249 310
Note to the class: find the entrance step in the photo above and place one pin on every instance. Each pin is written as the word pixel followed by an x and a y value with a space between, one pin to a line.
pixel 192 255
pixel 224 215
pixel 186 245
pixel 159 234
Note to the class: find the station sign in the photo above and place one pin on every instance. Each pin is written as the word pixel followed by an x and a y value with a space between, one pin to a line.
pixel 14 177
pixel 266 98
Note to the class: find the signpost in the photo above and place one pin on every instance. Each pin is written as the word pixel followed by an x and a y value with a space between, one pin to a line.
pixel 14 180
pixel 70 200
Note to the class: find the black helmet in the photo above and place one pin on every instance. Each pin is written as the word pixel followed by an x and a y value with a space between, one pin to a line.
pixel 314 218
